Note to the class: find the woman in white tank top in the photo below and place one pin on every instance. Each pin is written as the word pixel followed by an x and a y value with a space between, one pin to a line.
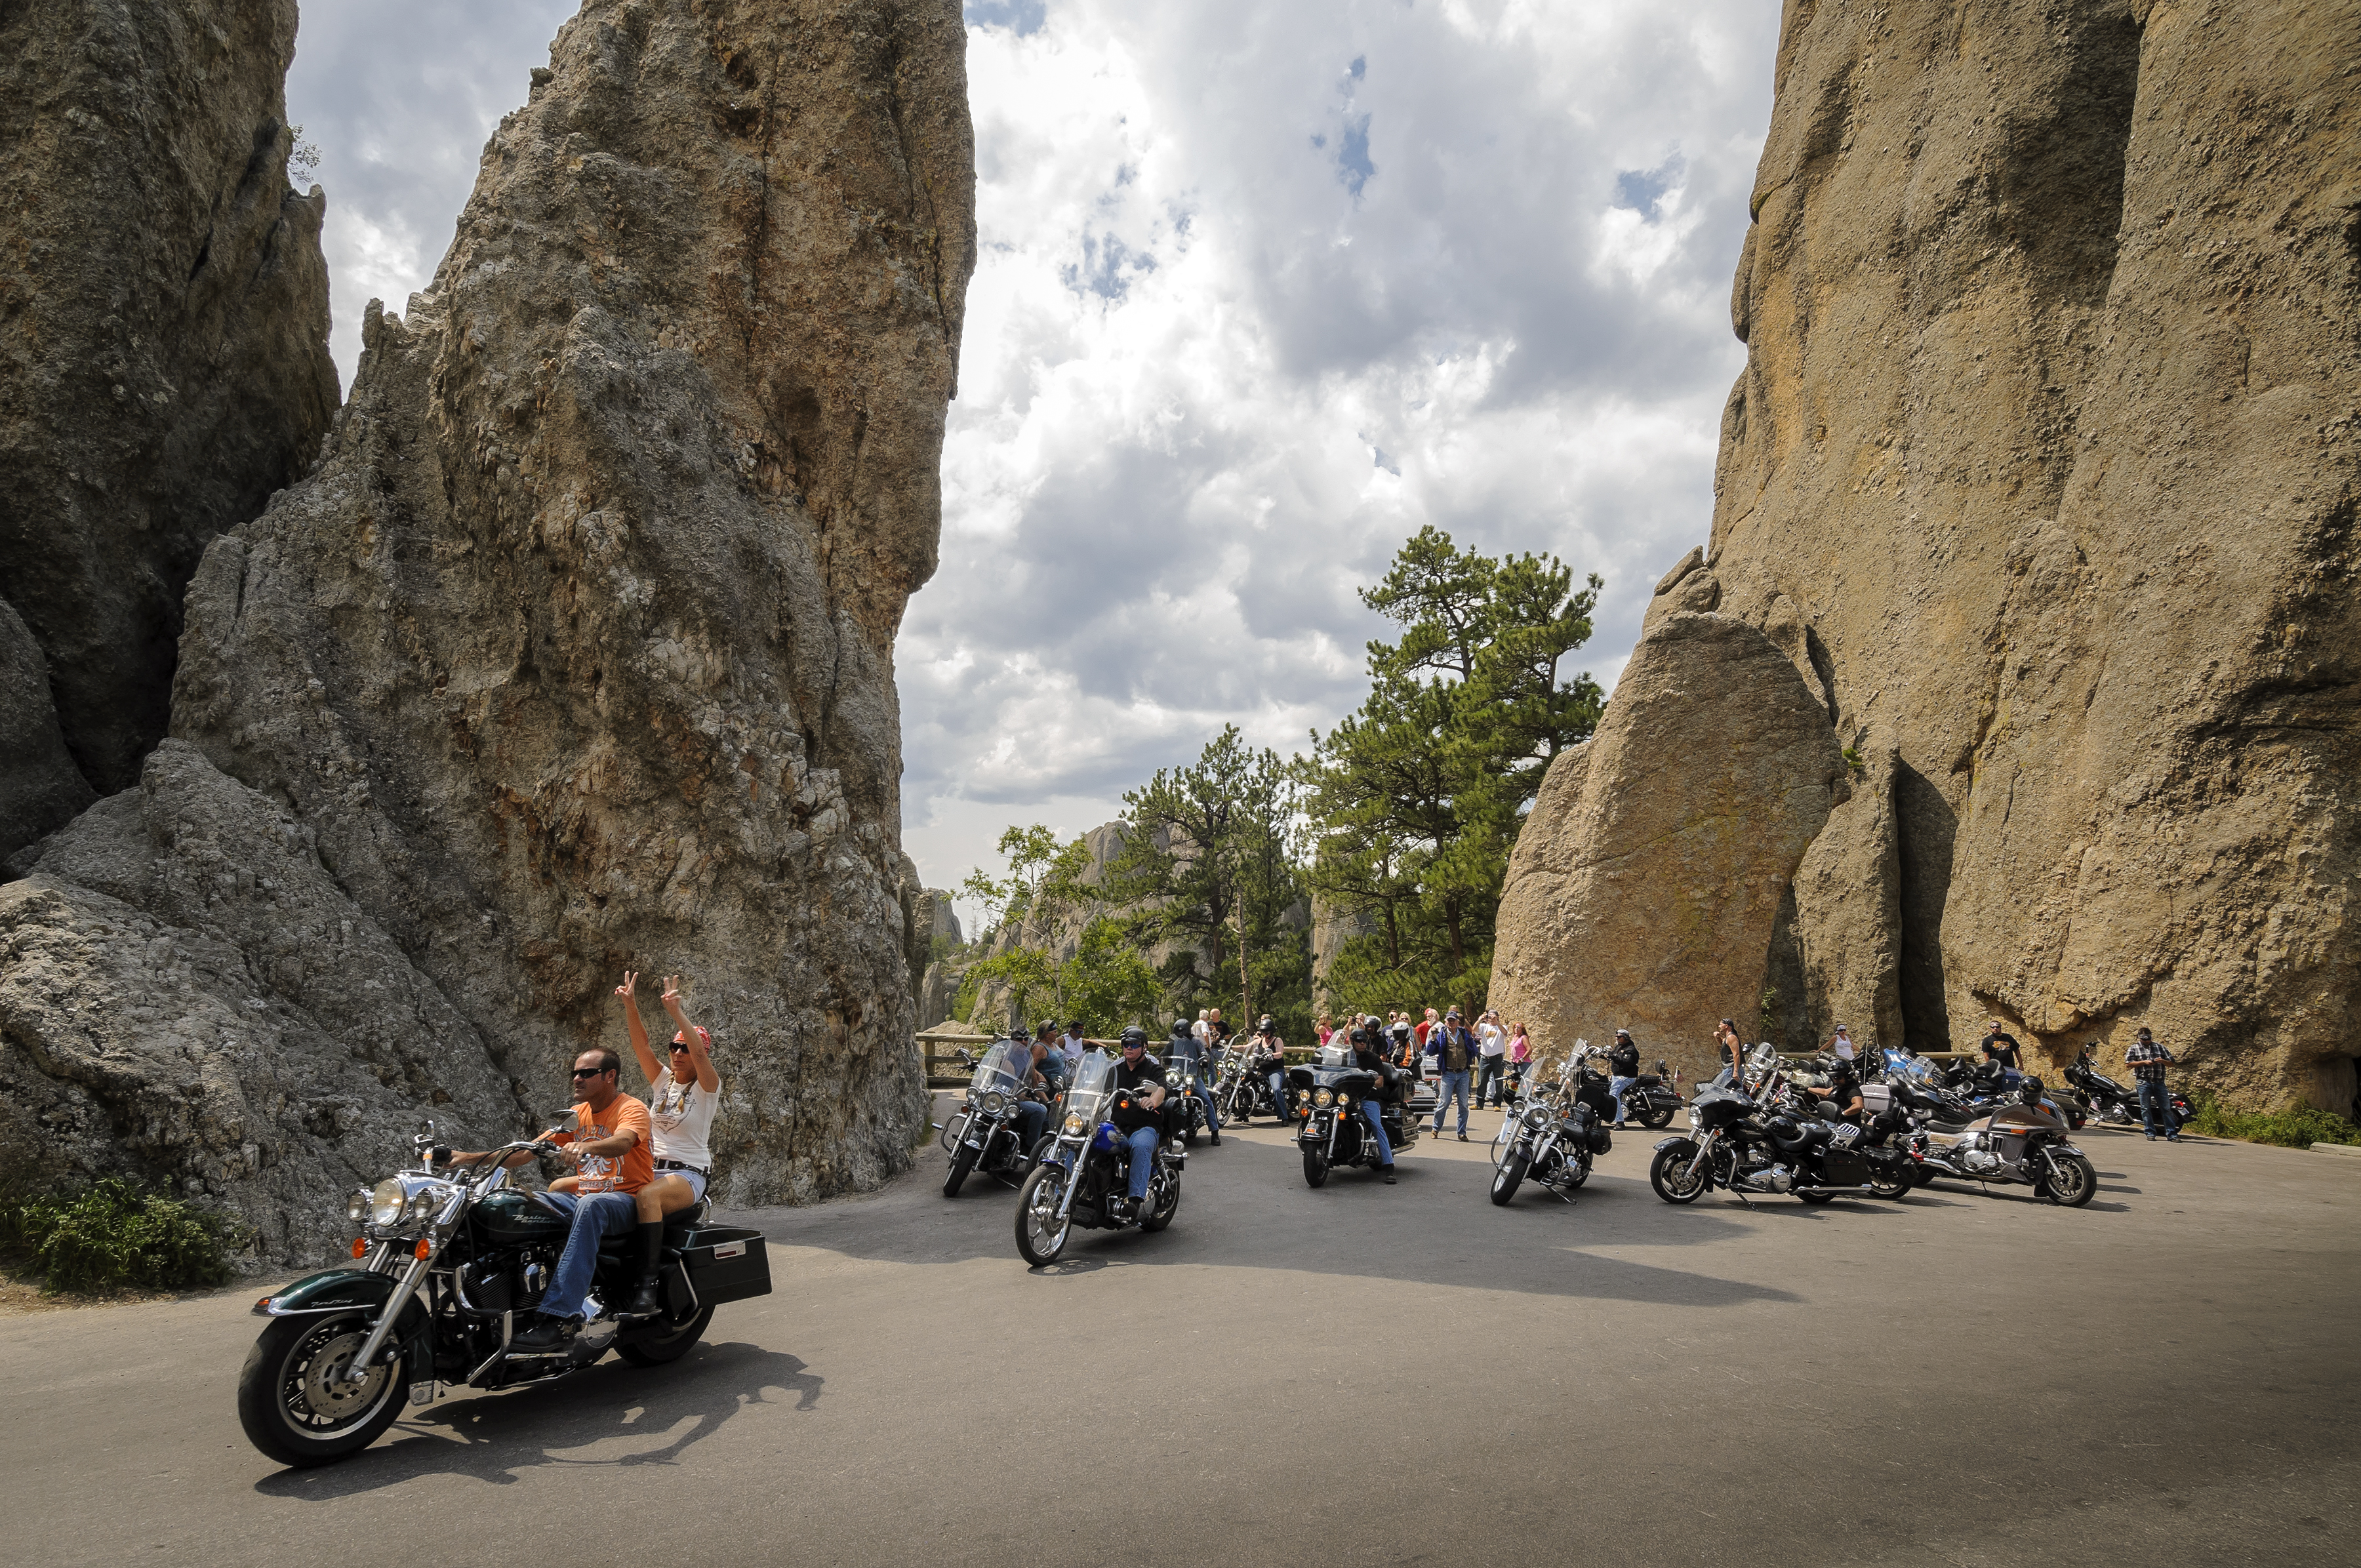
pixel 682 1094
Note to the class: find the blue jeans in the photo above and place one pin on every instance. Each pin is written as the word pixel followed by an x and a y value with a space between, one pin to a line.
pixel 1377 1126
pixel 595 1215
pixel 1031 1117
pixel 1279 1091
pixel 1452 1084
pixel 2156 1105
pixel 1213 1117
pixel 1615 1088
pixel 1143 1141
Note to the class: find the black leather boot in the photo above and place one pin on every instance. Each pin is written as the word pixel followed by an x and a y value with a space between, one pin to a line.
pixel 648 1299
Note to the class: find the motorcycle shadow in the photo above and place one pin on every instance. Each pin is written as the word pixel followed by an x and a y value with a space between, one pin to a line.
pixel 496 1438
pixel 2015 1194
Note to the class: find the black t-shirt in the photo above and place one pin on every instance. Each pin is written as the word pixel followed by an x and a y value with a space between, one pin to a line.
pixel 2002 1049
pixel 1144 1077
pixel 1374 1062
pixel 1625 1059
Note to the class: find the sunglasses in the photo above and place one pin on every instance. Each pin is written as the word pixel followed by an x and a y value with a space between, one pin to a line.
pixel 592 1071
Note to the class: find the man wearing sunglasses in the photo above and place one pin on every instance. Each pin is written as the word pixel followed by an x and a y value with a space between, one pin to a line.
pixel 612 1155
pixel 682 1094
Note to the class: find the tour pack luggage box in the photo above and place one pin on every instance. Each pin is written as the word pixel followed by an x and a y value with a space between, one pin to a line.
pixel 727 1264
pixel 1876 1099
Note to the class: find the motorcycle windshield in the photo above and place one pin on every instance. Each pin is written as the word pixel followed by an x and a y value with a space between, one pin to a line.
pixel 1002 1070
pixel 1094 1089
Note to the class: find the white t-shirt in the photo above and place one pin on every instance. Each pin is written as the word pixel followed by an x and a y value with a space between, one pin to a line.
pixel 1199 1030
pixel 1492 1039
pixel 682 1117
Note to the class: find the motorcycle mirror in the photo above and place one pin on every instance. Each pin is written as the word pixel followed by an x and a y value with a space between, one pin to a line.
pixel 566 1120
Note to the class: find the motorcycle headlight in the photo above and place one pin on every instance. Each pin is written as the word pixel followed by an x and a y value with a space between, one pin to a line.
pixel 1172 1080
pixel 994 1103
pixel 387 1203
pixel 356 1207
pixel 1323 1099
pixel 1074 1126
pixel 1695 1120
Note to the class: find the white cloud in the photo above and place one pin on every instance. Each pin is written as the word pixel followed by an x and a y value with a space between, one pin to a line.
pixel 1263 290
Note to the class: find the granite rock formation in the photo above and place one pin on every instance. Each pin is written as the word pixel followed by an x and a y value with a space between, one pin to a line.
pixel 2043 467
pixel 1648 880
pixel 185 991
pixel 575 654
pixel 40 788
pixel 163 339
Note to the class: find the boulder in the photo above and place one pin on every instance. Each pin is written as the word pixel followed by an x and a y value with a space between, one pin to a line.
pixel 1649 877
pixel 187 996
pixel 163 337
pixel 2044 466
pixel 574 655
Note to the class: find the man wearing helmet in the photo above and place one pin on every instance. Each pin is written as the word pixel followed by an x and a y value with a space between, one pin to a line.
pixel 1187 1045
pixel 1368 1055
pixel 1139 1108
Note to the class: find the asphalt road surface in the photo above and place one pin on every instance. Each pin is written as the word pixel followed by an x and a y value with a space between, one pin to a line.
pixel 1357 1376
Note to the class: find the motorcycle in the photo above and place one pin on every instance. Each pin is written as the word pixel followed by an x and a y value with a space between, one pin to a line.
pixel 1649 1100
pixel 2021 1144
pixel 1243 1091
pixel 984 1133
pixel 1772 1140
pixel 445 1264
pixel 1328 1094
pixel 1184 1106
pixel 1086 1165
pixel 1550 1138
pixel 2115 1105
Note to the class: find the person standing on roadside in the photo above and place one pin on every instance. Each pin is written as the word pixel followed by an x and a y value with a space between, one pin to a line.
pixel 1520 1059
pixel 1492 1060
pixel 1424 1029
pixel 1730 1050
pixel 1998 1045
pixel 2147 1059
pixel 1455 1047
pixel 1072 1047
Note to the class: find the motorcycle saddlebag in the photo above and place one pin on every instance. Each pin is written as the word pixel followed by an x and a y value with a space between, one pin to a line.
pixel 1847 1169
pixel 1601 1138
pixel 726 1264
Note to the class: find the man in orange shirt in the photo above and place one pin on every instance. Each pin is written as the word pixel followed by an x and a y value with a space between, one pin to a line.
pixel 613 1159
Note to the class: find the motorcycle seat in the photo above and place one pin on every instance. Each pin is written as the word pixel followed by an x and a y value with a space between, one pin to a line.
pixel 677 1224
pixel 1647 1080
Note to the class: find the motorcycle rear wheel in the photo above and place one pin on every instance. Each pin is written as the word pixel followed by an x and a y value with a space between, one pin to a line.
pixel 1041 1234
pixel 1895 1185
pixel 1581 1166
pixel 1814 1196
pixel 2082 1183
pixel 1167 1206
pixel 1669 1174
pixel 1505 1179
pixel 1316 1167
pixel 961 1163
pixel 657 1350
pixel 1662 1116
pixel 292 1411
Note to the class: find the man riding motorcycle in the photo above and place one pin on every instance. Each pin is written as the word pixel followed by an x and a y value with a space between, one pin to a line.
pixel 1187 1045
pixel 1368 1055
pixel 1139 1109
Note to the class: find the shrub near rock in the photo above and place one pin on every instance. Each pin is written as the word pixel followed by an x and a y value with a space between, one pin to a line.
pixel 117 1235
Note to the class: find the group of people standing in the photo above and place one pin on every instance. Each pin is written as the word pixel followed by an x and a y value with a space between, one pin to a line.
pixel 1484 1063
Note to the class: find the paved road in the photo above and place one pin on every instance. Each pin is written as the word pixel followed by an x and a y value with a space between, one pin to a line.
pixel 1361 1374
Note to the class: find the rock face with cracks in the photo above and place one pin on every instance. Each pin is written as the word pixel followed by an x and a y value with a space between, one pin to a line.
pixel 163 342
pixel 2044 468
pixel 574 655
pixel 1649 877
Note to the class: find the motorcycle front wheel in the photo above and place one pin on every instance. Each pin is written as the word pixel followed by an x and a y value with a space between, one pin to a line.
pixel 1504 1181
pixel 1040 1231
pixel 658 1349
pixel 293 1405
pixel 1316 1166
pixel 961 1163
pixel 1669 1174
pixel 1581 1164
pixel 2073 1181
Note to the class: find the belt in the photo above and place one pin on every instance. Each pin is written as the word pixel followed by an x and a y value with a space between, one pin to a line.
pixel 676 1165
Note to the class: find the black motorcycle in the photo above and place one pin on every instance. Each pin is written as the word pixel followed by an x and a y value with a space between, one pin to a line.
pixel 985 1132
pixel 1243 1090
pixel 2116 1105
pixel 1652 1101
pixel 1329 1093
pixel 1549 1137
pixel 1773 1141
pixel 1086 1167
pixel 1187 1085
pixel 446 1265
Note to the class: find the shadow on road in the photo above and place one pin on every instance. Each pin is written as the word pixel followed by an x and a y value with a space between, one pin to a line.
pixel 1244 1205
pixel 622 1415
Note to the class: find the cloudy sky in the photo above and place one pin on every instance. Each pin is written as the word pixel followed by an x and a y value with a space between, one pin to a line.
pixel 1263 290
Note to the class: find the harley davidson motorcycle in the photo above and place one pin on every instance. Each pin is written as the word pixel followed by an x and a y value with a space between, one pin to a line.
pixel 1244 1089
pixel 2021 1144
pixel 984 1133
pixel 1087 1164
pixel 1184 1104
pixel 1773 1141
pixel 1328 1094
pixel 2115 1105
pixel 446 1265
pixel 1549 1137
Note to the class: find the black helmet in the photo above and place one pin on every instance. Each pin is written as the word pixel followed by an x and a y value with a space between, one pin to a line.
pixel 1134 1035
pixel 1019 1031
pixel 1265 1023
pixel 1179 1027
pixel 1360 1037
